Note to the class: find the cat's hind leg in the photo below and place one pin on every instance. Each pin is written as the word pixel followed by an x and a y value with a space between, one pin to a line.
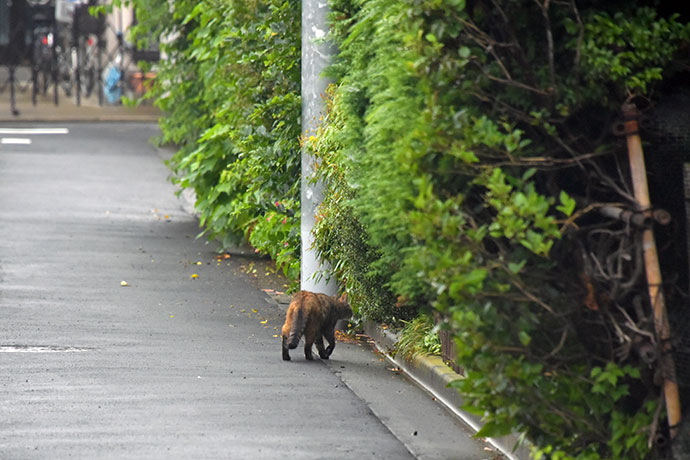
pixel 309 336
pixel 330 336
pixel 286 351
pixel 319 346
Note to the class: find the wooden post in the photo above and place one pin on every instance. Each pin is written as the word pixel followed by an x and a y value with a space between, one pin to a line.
pixel 653 271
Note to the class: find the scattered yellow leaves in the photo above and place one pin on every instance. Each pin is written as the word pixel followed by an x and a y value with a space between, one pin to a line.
pixel 340 336
pixel 172 316
pixel 124 283
pixel 264 321
pixel 200 263
pixel 194 276
pixel 254 310
pixel 275 336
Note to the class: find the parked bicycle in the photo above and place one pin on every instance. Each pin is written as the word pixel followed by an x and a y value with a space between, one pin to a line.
pixel 42 58
pixel 42 39
pixel 77 49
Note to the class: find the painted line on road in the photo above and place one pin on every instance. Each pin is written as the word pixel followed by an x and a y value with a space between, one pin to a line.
pixel 26 131
pixel 15 141
pixel 40 349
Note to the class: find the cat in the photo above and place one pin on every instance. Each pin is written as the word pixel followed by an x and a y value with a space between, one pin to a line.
pixel 314 316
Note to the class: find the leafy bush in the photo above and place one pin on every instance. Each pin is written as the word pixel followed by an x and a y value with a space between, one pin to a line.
pixel 458 142
pixel 229 88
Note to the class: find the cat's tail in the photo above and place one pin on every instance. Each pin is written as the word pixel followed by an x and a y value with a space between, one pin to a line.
pixel 298 324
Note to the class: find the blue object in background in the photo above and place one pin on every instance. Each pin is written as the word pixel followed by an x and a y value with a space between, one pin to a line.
pixel 111 85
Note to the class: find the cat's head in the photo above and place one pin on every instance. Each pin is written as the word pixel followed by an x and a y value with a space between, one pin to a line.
pixel 345 311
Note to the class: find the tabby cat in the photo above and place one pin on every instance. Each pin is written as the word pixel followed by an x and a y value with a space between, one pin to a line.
pixel 314 316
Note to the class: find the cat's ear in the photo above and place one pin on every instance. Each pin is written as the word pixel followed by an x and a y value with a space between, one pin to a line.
pixel 343 298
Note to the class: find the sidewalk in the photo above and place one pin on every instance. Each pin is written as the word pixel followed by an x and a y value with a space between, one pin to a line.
pixel 45 109
pixel 432 375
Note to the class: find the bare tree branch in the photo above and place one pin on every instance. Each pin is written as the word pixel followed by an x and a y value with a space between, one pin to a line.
pixel 517 84
pixel 580 36
pixel 544 7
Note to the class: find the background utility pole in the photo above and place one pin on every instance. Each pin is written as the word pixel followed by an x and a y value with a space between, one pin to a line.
pixel 315 57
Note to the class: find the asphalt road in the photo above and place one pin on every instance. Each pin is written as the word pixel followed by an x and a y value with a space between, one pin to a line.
pixel 181 363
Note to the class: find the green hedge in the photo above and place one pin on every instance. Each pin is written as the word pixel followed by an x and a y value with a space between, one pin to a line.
pixel 230 89
pixel 464 148
pixel 457 136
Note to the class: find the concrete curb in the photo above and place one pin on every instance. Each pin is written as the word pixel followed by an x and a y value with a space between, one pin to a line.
pixel 434 376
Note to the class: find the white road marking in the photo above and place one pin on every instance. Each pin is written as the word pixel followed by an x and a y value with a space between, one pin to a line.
pixel 40 349
pixel 15 140
pixel 27 131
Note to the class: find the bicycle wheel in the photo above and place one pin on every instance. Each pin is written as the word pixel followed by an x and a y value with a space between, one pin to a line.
pixel 87 65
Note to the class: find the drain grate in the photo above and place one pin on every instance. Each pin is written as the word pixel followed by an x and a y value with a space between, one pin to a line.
pixel 41 349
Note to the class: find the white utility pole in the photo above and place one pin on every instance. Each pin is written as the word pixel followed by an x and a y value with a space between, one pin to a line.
pixel 316 55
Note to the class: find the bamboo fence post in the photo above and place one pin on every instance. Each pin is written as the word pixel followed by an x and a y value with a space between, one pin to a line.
pixel 653 271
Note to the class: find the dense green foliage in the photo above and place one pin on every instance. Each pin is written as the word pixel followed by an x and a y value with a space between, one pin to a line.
pixel 230 89
pixel 465 147
pixel 455 139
